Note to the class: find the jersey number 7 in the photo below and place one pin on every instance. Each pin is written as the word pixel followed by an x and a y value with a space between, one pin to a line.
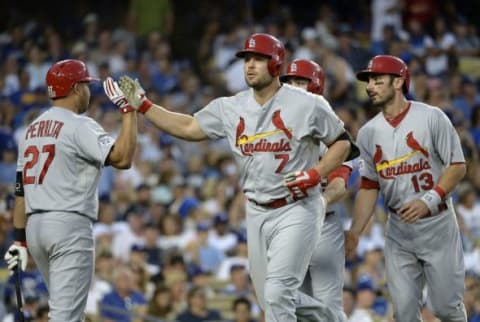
pixel 33 151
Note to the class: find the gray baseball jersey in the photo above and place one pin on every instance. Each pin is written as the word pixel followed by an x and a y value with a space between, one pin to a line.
pixel 324 279
pixel 405 160
pixel 268 142
pixel 60 157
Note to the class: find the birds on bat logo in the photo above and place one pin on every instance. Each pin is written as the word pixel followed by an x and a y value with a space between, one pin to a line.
pixel 389 169
pixel 248 147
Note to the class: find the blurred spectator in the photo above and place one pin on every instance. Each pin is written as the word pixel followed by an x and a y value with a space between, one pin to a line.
pixel 8 161
pixel 122 243
pixel 439 49
pixel 467 43
pixel 385 12
pixel 239 258
pixel 123 304
pixel 353 313
pixel 469 209
pixel 172 234
pixel 350 49
pixel 160 305
pixel 242 310
pixel 197 308
pixel 100 285
pixel 201 252
pixel 220 237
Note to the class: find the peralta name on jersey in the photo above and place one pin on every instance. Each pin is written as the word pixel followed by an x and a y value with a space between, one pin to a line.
pixel 44 128
pixel 265 146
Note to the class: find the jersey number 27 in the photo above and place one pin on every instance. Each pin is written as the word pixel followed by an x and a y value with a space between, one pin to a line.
pixel 33 151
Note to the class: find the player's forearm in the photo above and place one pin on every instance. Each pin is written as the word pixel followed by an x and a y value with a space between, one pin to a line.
pixel 335 190
pixel 180 125
pixel 123 150
pixel 363 209
pixel 451 177
pixel 19 217
pixel 335 156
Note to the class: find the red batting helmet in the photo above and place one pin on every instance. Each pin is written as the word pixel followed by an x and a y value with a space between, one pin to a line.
pixel 267 45
pixel 306 69
pixel 386 64
pixel 63 75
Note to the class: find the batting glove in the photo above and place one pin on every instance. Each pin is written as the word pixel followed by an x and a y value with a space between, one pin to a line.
pixel 299 182
pixel 135 94
pixel 16 253
pixel 115 95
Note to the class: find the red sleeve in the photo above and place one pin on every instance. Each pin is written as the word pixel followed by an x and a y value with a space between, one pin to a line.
pixel 341 172
pixel 366 183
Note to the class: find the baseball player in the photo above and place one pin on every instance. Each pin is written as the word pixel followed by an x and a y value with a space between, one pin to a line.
pixel 60 159
pixel 324 279
pixel 411 153
pixel 277 149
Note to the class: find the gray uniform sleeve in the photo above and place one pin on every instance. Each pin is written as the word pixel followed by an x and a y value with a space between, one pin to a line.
pixel 92 142
pixel 445 139
pixel 211 121
pixel 366 166
pixel 324 124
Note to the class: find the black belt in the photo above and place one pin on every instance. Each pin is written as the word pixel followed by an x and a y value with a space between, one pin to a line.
pixel 441 207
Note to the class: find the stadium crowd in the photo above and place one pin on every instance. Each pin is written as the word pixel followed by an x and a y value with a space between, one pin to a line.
pixel 170 238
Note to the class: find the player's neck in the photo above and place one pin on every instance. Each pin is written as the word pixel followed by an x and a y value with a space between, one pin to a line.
pixel 266 93
pixel 396 107
pixel 67 104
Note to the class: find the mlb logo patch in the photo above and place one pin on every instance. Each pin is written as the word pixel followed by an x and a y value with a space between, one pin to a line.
pixel 251 43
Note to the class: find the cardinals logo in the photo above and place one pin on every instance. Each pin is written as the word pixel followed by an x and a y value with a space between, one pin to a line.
pixel 377 157
pixel 245 142
pixel 414 145
pixel 389 169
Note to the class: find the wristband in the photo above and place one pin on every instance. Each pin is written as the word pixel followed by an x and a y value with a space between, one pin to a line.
pixel 432 199
pixel 19 236
pixel 146 104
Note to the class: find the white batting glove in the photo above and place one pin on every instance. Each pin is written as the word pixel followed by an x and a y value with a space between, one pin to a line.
pixel 135 94
pixel 16 253
pixel 115 95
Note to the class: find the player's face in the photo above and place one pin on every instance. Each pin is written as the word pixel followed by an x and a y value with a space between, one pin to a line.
pixel 380 89
pixel 256 71
pixel 299 82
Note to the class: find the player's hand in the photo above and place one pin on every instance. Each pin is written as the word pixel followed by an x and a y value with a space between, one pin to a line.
pixel 351 243
pixel 16 253
pixel 413 211
pixel 115 95
pixel 299 182
pixel 135 94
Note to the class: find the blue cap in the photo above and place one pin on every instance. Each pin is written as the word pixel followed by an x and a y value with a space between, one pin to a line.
pixel 241 237
pixel 196 270
pixel 221 218
pixel 203 225
pixel 187 205
pixel 138 248
pixel 365 282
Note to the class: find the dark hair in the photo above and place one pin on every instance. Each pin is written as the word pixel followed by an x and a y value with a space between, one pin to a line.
pixel 241 300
